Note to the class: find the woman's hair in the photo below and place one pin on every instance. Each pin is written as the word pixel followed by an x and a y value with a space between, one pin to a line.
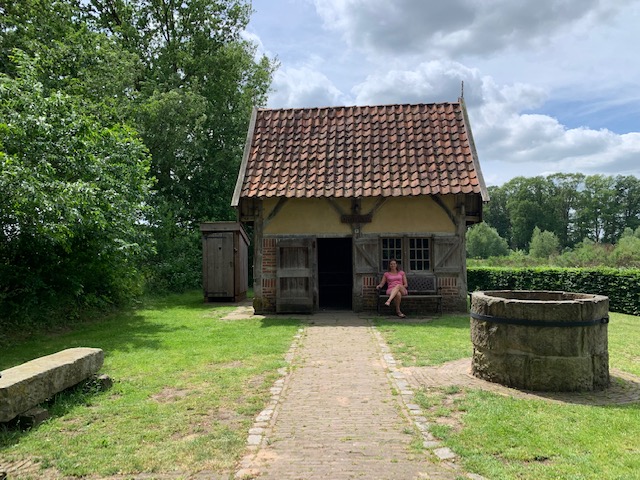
pixel 389 264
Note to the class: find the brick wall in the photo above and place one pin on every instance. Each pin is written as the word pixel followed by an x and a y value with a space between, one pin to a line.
pixel 450 291
pixel 448 286
pixel 268 257
pixel 369 294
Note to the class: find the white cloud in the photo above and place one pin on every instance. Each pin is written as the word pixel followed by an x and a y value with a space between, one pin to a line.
pixel 540 143
pixel 459 27
pixel 434 81
pixel 304 86
pixel 503 130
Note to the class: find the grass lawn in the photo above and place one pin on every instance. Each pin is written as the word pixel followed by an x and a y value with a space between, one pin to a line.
pixel 187 386
pixel 506 438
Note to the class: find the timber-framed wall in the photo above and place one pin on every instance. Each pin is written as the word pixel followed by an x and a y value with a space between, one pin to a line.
pixel 287 231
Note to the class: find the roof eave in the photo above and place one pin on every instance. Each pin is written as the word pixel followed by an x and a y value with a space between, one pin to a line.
pixel 484 193
pixel 235 200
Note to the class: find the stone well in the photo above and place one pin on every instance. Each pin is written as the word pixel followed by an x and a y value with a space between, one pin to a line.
pixel 541 340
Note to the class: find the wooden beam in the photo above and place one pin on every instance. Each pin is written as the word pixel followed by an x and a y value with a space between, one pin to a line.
pixel 377 206
pixel 449 213
pixel 245 158
pixel 335 205
pixel 275 211
pixel 258 229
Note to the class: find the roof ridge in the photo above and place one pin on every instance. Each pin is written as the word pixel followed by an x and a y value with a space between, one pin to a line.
pixel 344 107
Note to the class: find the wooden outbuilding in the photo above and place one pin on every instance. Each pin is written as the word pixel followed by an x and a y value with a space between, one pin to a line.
pixel 225 261
pixel 333 193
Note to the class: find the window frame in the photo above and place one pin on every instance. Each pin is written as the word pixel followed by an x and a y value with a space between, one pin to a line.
pixel 405 251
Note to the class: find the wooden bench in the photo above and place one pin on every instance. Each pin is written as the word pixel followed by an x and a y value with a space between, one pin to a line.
pixel 418 286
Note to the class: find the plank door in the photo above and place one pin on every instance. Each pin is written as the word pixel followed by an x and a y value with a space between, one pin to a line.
pixel 295 273
pixel 366 255
pixel 448 255
pixel 219 277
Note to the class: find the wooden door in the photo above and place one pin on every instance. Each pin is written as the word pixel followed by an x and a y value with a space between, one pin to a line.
pixel 366 255
pixel 295 273
pixel 219 270
pixel 447 255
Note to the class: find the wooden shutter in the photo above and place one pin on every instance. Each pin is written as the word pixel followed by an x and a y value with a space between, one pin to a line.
pixel 366 255
pixel 295 273
pixel 446 254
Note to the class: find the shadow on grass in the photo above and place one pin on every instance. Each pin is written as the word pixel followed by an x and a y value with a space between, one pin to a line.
pixel 191 300
pixel 446 321
pixel 277 322
pixel 122 333
pixel 11 433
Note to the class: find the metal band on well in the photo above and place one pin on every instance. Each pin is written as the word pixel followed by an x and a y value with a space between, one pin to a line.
pixel 538 323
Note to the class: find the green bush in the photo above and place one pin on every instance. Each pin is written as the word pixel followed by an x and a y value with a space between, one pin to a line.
pixel 543 244
pixel 484 241
pixel 621 286
pixel 177 264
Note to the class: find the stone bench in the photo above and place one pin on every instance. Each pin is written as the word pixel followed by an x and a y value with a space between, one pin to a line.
pixel 27 385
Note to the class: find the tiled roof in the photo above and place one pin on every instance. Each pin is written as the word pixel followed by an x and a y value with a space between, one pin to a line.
pixel 360 151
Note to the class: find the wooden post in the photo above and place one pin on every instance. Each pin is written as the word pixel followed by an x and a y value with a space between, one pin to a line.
pixel 461 230
pixel 257 260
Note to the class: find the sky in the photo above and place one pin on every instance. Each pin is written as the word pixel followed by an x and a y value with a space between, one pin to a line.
pixel 550 85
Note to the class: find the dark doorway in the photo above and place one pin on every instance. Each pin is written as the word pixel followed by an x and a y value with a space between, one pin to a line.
pixel 335 273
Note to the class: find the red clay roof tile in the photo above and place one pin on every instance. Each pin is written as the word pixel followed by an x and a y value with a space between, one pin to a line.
pixel 361 151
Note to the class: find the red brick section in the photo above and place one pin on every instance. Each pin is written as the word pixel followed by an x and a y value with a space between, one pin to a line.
pixel 369 292
pixel 448 286
pixel 269 256
pixel 390 151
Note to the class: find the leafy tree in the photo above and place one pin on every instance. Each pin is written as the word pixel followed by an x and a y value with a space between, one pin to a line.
pixel 530 202
pixel 627 200
pixel 484 241
pixel 178 72
pixel 564 199
pixel 73 202
pixel 71 57
pixel 543 244
pixel 596 218
pixel 572 206
pixel 495 212
pixel 586 254
pixel 199 83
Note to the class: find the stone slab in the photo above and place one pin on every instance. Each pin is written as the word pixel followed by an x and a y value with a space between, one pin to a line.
pixel 27 385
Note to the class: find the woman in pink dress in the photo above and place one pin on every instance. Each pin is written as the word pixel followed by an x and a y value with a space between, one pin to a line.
pixel 396 282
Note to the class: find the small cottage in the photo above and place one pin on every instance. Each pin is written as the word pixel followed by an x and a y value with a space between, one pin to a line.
pixel 332 194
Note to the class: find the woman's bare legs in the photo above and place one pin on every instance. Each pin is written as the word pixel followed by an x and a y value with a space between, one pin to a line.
pixel 397 300
pixel 396 296
pixel 393 293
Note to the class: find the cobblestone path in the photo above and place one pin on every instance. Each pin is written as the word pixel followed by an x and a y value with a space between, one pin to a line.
pixel 340 416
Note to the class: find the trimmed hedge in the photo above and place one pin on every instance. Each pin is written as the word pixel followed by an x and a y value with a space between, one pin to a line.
pixel 621 286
